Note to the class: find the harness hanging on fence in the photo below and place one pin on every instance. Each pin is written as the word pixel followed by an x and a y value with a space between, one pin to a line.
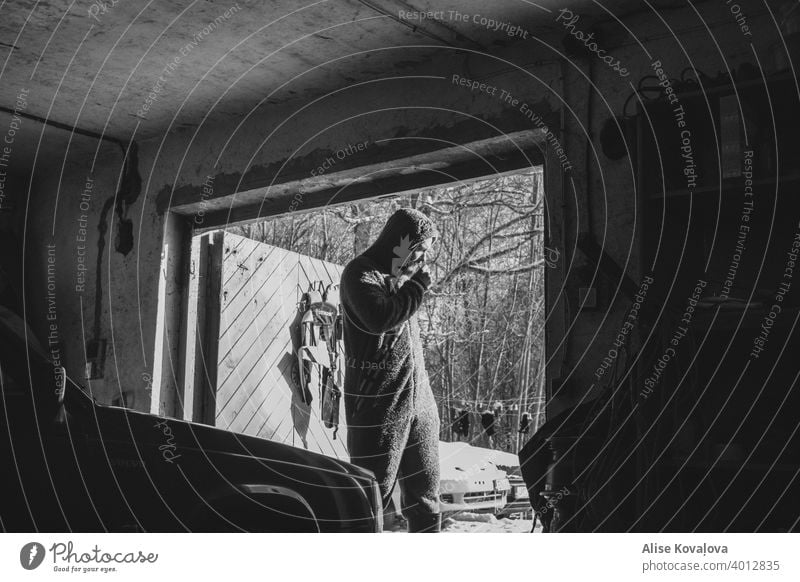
pixel 321 345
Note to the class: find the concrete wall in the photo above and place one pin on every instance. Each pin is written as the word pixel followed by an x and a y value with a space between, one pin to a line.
pixel 61 274
pixel 279 141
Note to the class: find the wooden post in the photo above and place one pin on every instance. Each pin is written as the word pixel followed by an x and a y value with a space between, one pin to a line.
pixel 202 329
pixel 166 377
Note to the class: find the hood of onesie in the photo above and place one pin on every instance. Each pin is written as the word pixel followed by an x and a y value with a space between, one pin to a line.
pixel 404 230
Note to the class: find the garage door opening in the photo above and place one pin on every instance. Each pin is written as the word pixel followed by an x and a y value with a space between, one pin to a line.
pixel 482 324
pixel 255 371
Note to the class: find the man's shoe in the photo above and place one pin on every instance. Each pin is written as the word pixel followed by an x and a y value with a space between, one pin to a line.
pixel 425 523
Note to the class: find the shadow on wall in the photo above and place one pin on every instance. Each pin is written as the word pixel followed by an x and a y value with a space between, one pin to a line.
pixel 301 410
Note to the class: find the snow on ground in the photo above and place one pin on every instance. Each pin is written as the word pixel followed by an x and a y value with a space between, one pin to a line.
pixel 486 523
pixel 465 522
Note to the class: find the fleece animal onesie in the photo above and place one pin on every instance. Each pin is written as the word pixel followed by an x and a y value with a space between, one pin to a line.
pixel 392 418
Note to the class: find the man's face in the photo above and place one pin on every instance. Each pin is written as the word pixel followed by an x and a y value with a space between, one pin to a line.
pixel 416 259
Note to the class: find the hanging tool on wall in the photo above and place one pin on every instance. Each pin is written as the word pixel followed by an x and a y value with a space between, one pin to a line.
pixel 321 345
pixel 130 186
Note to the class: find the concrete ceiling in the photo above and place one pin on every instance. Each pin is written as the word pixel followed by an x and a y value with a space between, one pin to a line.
pixel 93 63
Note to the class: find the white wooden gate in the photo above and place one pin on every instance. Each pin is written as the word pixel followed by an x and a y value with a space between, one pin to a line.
pixel 258 289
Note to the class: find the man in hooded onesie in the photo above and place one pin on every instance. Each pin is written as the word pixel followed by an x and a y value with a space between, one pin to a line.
pixel 392 418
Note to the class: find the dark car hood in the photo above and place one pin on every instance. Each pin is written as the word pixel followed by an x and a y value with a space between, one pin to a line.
pixel 121 424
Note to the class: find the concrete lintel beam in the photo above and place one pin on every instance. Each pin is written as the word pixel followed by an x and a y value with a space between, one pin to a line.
pixel 223 196
pixel 404 178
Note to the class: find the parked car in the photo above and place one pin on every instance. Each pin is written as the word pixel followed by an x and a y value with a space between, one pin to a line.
pixel 518 501
pixel 72 464
pixel 469 480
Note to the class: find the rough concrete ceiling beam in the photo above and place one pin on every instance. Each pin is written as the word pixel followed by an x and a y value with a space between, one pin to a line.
pixel 397 183
pixel 485 157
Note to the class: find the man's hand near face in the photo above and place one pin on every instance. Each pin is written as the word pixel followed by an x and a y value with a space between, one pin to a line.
pixel 423 276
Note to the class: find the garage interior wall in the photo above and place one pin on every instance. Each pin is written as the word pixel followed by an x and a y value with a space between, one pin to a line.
pixel 295 139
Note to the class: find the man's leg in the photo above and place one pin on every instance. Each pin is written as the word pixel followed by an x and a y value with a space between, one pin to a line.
pixel 419 473
pixel 376 440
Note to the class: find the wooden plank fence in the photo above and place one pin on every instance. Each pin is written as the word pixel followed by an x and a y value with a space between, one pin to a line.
pixel 259 318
